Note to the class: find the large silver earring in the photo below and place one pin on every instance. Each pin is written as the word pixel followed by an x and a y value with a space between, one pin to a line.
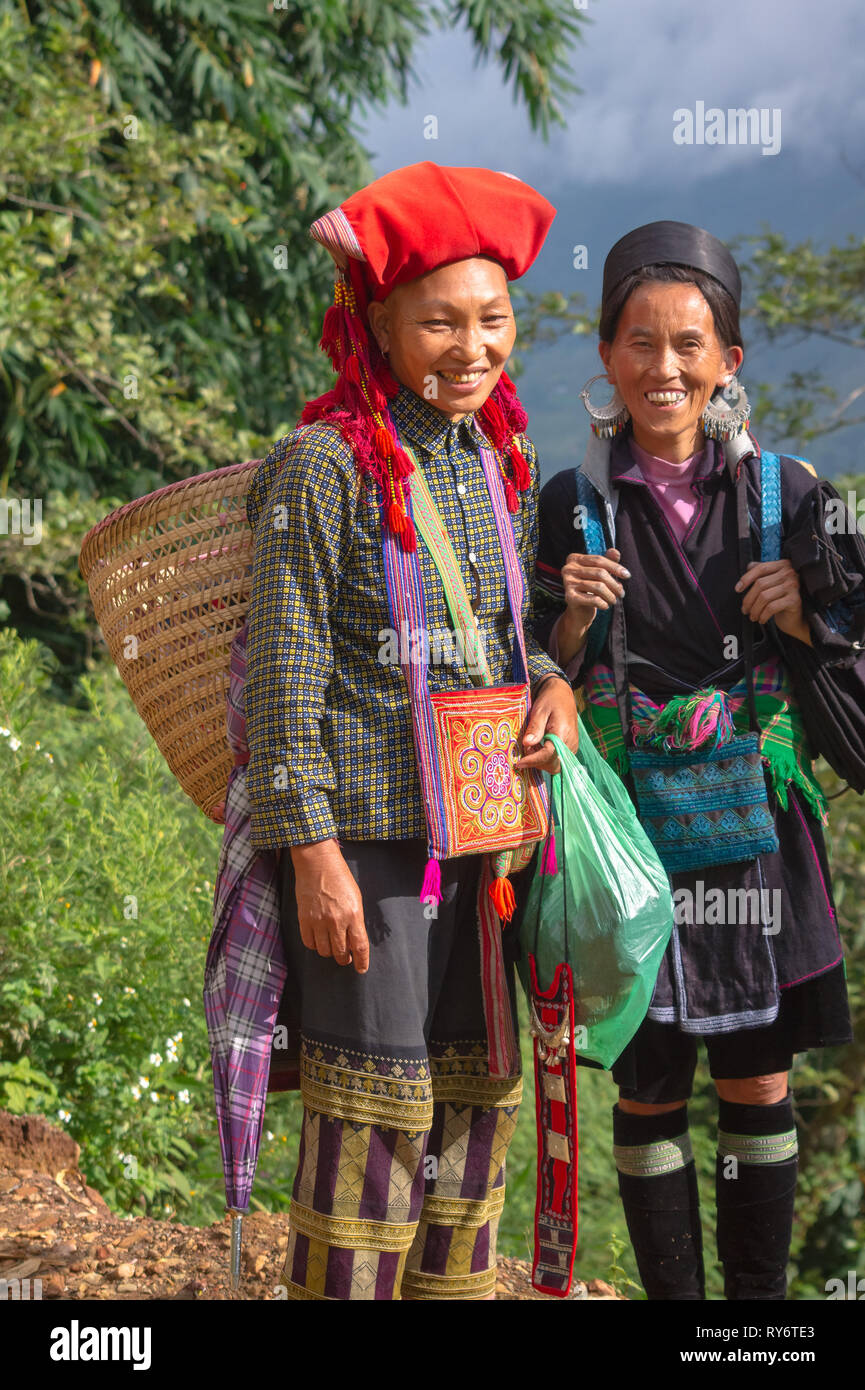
pixel 607 420
pixel 728 411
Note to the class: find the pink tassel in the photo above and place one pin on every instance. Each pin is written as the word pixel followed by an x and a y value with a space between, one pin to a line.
pixel 549 863
pixel 703 722
pixel 432 882
pixel 711 717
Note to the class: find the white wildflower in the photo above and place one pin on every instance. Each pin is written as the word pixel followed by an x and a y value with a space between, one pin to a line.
pixel 183 1097
pixel 155 1059
pixel 98 999
pixel 64 1116
pixel 154 1095
pixel 136 1092
pixel 144 1082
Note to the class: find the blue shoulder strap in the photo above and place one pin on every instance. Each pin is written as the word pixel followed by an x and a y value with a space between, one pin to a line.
pixel 586 497
pixel 596 544
pixel 770 506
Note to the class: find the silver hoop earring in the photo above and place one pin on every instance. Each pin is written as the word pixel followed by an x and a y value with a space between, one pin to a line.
pixel 607 420
pixel 728 411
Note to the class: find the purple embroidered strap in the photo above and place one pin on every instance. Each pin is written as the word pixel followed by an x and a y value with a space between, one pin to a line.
pixel 406 603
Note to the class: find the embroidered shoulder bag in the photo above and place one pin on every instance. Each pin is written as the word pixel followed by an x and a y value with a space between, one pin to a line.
pixel 466 741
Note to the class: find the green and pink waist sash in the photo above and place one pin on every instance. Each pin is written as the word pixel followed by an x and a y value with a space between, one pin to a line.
pixel 707 719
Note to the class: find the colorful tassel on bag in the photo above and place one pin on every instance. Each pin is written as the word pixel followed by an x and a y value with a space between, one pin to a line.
pixel 432 882
pixel 689 721
pixel 549 863
pixel 504 901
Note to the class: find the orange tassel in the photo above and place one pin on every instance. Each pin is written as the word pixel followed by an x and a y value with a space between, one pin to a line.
pixel 396 518
pixel 384 442
pixel 504 901
pixel 408 537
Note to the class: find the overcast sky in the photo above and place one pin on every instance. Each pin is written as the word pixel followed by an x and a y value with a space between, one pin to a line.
pixel 640 61
pixel 616 164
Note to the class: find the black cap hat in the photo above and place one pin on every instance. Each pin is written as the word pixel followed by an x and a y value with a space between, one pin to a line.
pixel 672 243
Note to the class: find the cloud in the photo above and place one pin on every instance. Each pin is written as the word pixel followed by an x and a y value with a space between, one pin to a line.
pixel 641 62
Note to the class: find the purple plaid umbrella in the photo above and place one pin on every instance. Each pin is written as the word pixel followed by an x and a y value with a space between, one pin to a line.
pixel 244 973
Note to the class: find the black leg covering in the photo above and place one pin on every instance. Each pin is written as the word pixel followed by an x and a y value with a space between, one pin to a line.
pixel 662 1208
pixel 755 1196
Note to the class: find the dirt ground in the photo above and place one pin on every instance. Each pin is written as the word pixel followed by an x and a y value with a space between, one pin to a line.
pixel 56 1229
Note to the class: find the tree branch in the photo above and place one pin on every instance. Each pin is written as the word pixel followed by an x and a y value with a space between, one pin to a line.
pixel 100 396
pixel 53 207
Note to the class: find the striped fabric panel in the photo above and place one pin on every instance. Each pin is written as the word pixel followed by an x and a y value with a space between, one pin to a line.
pixel 245 969
pixel 334 231
pixel 434 536
pixel 758 1148
pixel 653 1160
pixel 514 578
pixel 406 600
pixel 600 687
pixel 504 1050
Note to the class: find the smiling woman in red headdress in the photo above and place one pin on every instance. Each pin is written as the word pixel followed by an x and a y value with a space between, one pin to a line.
pixel 400 516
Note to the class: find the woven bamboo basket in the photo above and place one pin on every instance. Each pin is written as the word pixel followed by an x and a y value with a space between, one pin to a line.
pixel 169 576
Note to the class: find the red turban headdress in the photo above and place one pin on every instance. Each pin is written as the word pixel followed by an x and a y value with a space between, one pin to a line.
pixel 401 226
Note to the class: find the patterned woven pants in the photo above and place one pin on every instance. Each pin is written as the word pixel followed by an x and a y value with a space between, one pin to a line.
pixel 401 1172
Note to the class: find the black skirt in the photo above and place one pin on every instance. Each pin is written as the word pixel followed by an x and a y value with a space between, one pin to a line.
pixel 658 1064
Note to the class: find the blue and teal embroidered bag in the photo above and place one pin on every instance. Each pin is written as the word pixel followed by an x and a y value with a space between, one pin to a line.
pixel 710 808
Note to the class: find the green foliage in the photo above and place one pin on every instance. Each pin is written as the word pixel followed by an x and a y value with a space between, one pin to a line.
pixel 160 297
pixel 24 1090
pixel 531 43
pixel 104 918
pixel 616 1274
pixel 798 292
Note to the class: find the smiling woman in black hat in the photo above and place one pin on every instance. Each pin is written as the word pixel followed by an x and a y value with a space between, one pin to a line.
pixel 673 602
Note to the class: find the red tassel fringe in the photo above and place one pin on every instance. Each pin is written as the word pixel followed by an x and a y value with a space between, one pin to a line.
pixel 357 403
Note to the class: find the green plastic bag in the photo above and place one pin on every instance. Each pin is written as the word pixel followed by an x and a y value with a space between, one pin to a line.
pixel 608 910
